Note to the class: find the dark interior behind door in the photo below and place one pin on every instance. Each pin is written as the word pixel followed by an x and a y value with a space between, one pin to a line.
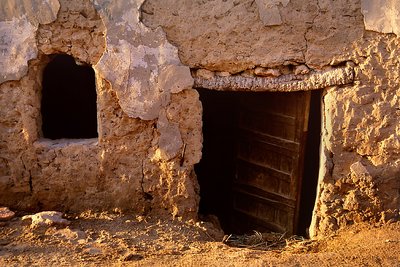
pixel 253 152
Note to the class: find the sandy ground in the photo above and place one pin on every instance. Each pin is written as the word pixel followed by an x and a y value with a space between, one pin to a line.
pixel 123 240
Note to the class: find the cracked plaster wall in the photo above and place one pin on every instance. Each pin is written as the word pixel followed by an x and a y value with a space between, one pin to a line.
pixel 143 158
pixel 264 44
pixel 149 117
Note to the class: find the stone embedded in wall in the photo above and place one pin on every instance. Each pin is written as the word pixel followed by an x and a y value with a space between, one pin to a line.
pixel 174 79
pixel 142 66
pixel 6 214
pixel 381 15
pixel 222 74
pixel 268 11
pixel 19 21
pixel 260 71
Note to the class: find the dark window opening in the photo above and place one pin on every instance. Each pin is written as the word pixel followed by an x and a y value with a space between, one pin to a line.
pixel 255 150
pixel 68 104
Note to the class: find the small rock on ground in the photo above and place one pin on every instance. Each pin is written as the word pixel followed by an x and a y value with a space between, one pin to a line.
pixel 46 219
pixel 6 214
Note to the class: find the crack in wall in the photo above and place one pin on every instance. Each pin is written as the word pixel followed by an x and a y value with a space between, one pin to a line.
pixel 309 28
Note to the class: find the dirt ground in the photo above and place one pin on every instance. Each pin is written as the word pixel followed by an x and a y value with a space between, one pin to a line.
pixel 104 239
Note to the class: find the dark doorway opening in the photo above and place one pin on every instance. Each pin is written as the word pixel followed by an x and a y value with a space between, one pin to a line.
pixel 311 165
pixel 216 170
pixel 68 103
pixel 255 149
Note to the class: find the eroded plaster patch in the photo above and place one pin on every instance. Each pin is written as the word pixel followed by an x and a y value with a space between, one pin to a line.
pixel 19 21
pixel 381 15
pixel 142 66
pixel 37 11
pixel 170 141
pixel 17 46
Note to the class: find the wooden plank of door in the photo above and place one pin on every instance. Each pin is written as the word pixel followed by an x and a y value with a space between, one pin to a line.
pixel 270 158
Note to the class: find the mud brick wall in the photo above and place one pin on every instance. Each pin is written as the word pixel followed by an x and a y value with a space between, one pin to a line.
pixel 149 55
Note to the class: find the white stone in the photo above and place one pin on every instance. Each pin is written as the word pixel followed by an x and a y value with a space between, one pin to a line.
pixel 46 219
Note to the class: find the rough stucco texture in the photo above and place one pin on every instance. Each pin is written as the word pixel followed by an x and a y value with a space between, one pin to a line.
pixel 138 165
pixel 359 154
pixel 149 120
pixel 231 36
pixel 360 168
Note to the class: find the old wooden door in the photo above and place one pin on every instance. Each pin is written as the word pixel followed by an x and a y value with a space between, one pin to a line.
pixel 272 131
